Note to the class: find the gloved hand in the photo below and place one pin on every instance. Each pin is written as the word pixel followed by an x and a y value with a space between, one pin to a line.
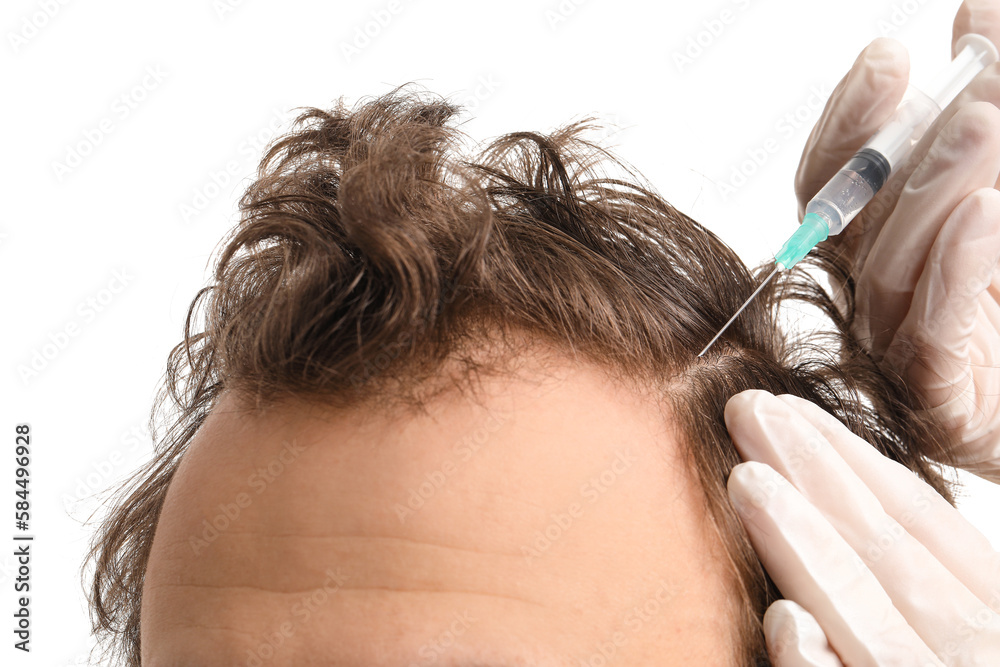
pixel 926 250
pixel 875 566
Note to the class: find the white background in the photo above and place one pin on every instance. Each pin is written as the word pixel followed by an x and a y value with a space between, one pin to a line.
pixel 76 80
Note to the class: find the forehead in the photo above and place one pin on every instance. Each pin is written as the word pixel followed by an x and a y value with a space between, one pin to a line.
pixel 532 525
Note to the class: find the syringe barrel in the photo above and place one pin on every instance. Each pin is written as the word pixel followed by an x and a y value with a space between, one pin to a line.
pixel 857 182
pixel 850 189
pixel 898 135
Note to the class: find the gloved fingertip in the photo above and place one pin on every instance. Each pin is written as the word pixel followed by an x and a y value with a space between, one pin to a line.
pixel 779 616
pixel 886 56
pixel 795 637
pixel 876 83
pixel 751 483
pixel 744 403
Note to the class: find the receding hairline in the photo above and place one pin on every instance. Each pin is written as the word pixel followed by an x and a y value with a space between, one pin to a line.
pixel 510 352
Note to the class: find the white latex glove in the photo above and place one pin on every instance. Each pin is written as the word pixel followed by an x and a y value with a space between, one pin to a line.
pixel 876 567
pixel 926 250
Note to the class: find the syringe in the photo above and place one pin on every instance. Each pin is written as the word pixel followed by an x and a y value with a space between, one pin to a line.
pixel 857 182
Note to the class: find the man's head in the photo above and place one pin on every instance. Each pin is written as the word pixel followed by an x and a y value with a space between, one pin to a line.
pixel 476 381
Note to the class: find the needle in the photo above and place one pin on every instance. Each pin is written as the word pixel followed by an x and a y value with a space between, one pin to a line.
pixel 742 308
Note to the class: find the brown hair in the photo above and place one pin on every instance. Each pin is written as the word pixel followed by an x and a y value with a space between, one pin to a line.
pixel 368 252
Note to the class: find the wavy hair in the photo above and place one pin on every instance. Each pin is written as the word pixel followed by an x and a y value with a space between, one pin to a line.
pixel 371 247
